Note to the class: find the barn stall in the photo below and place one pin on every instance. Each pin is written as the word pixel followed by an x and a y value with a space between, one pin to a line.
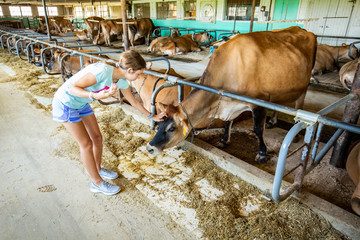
pixel 197 195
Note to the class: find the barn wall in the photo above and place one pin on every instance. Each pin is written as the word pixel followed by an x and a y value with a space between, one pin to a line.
pixel 277 10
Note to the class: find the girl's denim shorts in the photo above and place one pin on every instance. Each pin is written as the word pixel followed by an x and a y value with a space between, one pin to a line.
pixel 63 113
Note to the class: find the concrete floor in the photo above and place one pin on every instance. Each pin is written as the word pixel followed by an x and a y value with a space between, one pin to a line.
pixel 39 200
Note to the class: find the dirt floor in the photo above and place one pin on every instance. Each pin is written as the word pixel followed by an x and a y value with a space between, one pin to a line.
pixel 179 195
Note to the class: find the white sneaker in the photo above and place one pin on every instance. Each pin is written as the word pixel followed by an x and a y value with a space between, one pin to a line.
pixel 105 188
pixel 109 175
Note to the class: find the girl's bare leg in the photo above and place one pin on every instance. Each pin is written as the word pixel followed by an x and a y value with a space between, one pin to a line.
pixel 92 127
pixel 79 132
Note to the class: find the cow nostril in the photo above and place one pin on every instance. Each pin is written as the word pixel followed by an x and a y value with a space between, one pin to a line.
pixel 150 149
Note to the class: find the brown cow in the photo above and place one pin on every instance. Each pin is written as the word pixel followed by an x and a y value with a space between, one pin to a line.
pixel 54 30
pixel 71 64
pixel 62 25
pixel 273 66
pixel 92 26
pixel 347 73
pixel 353 169
pixel 82 34
pixel 178 45
pixel 110 28
pixel 329 57
pixel 141 28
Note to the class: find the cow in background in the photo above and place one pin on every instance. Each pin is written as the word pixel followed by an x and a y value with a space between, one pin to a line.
pixel 82 34
pixel 110 28
pixel 62 25
pixel 328 58
pixel 71 64
pixel 141 28
pixel 347 73
pixel 273 66
pixel 93 26
pixel 178 45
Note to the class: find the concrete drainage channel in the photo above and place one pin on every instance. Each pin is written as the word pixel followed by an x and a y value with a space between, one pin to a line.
pixel 344 221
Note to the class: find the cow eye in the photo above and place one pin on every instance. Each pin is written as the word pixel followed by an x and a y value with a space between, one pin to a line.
pixel 171 129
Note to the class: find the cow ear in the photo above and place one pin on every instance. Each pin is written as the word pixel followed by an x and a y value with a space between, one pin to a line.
pixel 162 107
pixel 170 109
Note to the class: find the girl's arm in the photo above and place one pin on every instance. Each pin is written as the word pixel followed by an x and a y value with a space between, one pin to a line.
pixel 128 95
pixel 89 79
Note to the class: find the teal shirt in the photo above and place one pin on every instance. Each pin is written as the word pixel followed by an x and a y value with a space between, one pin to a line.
pixel 103 74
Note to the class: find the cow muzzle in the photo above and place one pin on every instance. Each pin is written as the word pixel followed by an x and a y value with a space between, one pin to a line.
pixel 153 150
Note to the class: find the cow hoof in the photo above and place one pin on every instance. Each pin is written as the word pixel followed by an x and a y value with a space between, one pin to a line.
pixel 313 80
pixel 261 158
pixel 269 125
pixel 220 144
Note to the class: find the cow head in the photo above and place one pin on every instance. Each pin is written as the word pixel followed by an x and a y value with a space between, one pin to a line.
pixel 173 130
pixel 345 54
pixel 54 64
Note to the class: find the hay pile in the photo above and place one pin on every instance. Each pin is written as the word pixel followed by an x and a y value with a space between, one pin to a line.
pixel 237 210
pixel 227 217
pixel 27 76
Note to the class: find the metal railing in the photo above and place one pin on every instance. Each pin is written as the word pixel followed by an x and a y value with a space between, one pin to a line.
pixel 312 122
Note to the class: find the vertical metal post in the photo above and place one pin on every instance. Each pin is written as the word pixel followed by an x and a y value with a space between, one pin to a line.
pixel 180 93
pixel 268 18
pixel 46 19
pixel 252 16
pixel 125 27
pixel 351 115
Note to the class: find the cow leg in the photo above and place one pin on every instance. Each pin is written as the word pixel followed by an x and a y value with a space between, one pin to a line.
pixel 225 140
pixel 272 121
pixel 259 116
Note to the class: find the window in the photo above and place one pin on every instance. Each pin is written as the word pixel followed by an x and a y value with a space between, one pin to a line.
pixel 142 10
pixel 1 12
pixel 78 12
pixel 89 11
pixel 15 11
pixel 26 11
pixel 190 9
pixel 166 10
pixel 241 10
pixel 51 11
pixel 102 11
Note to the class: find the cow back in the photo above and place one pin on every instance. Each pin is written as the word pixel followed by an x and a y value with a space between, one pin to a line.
pixel 274 66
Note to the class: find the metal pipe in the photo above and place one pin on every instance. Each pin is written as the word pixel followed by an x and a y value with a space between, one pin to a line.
pixel 153 97
pixel 46 19
pixel 336 104
pixel 328 145
pixel 280 166
pixel 328 36
pixel 276 107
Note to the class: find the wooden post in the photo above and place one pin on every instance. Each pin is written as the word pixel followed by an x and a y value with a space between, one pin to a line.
pixel 125 28
pixel 351 114
pixel 252 16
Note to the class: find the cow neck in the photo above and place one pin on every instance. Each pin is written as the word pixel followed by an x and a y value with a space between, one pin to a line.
pixel 198 105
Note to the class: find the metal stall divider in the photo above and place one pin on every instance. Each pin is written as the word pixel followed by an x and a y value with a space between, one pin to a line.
pixel 310 121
